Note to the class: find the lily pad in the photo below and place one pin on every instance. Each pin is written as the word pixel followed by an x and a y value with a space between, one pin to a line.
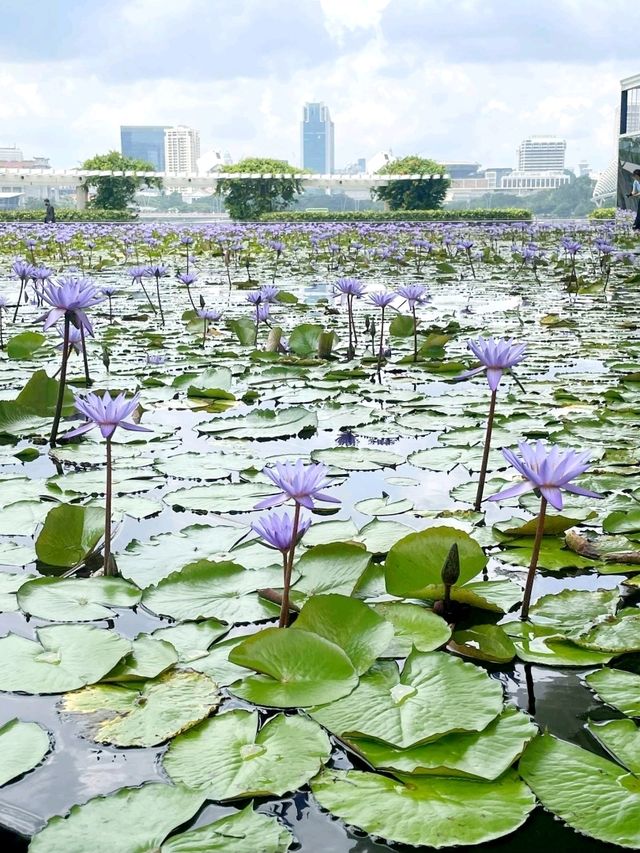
pixel 621 738
pixel 297 669
pixel 22 747
pixel 148 658
pixel 70 533
pixel 537 644
pixel 573 610
pixel 617 688
pixel 77 599
pixel 143 714
pixel 483 642
pixel 64 657
pixel 483 755
pixel 192 640
pixel 263 424
pixel 384 506
pixel 357 458
pixel 428 811
pixel 235 833
pixel 350 624
pixel 335 568
pixel 414 627
pixel 206 590
pixel 594 796
pixel 228 758
pixel 434 695
pixel 9 585
pixel 618 634
pixel 153 811
pixel 221 497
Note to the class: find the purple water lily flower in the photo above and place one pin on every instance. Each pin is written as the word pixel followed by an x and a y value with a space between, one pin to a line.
pixel 22 269
pixel 269 293
pixel 106 413
pixel 255 297
pixel 157 270
pixel 298 482
pixel 187 278
pixel 75 339
pixel 277 530
pixel 109 289
pixel 138 273
pixel 70 297
pixel 415 294
pixel 349 287
pixel 381 298
pixel 209 314
pixel 496 355
pixel 547 469
pixel 262 312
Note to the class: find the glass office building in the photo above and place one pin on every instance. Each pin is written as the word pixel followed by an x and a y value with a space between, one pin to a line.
pixel 629 139
pixel 316 139
pixel 144 142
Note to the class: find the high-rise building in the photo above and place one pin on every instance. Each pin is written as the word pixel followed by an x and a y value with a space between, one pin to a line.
pixel 316 139
pixel 181 150
pixel 144 142
pixel 11 153
pixel 541 154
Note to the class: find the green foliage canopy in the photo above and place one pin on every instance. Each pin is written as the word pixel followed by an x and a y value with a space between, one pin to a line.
pixel 413 195
pixel 248 199
pixel 117 193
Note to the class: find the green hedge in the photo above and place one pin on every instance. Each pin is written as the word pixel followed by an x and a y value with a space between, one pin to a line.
pixel 68 214
pixel 603 213
pixel 479 215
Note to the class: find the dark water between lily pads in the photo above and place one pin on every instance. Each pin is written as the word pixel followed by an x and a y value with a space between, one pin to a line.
pixel 575 392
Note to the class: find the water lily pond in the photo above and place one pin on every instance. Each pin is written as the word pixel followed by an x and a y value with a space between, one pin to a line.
pixel 273 592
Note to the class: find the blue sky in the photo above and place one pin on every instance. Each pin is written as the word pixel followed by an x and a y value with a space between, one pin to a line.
pixel 451 79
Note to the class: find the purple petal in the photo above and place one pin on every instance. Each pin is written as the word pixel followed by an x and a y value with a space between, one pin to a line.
pixel 578 490
pixel 133 427
pixel 494 375
pixel 78 431
pixel 276 500
pixel 512 491
pixel 553 495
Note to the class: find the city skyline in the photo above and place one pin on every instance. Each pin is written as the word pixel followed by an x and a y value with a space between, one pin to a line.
pixel 464 86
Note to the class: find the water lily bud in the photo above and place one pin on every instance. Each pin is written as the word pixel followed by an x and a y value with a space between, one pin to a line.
pixel 451 568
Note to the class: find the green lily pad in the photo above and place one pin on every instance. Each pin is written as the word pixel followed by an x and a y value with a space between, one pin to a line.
pixel 537 644
pixel 384 506
pixel 153 811
pixel 230 759
pixel 498 596
pixel 335 568
pixel 263 424
pixel 148 658
pixel 434 695
pixel 23 345
pixel 428 811
pixel 64 657
pixel 206 590
pixel 297 669
pixel 216 664
pixel 22 747
pixel 40 396
pixel 77 599
pixel 9 586
pixel 483 755
pixel 621 738
pixel 192 640
pixel 379 536
pixel 618 634
pixel 235 833
pixel 414 627
pixel 483 642
pixel 627 521
pixel 594 796
pixel 330 532
pixel 146 563
pixel 416 561
pixel 617 688
pixel 357 458
pixel 221 497
pixel 350 624
pixel 143 714
pixel 70 533
pixel 573 610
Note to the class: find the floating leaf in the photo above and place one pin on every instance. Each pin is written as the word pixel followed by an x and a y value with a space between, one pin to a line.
pixel 24 345
pixel 384 506
pixel 77 599
pixel 264 424
pixel 617 688
pixel 573 610
pixel 149 657
pixel 430 811
pixel 143 714
pixel 64 657
pixel 357 458
pixel 297 669
pixel 434 695
pixel 221 497
pixel 618 634
pixel 335 568
pixel 483 755
pixel 483 642
pixel 70 533
pixel 235 833
pixel 621 738
pixel 22 747
pixel 537 644
pixel 414 627
pixel 230 759
pixel 594 796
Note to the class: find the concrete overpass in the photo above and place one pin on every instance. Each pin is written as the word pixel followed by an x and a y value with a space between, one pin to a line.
pixel 78 178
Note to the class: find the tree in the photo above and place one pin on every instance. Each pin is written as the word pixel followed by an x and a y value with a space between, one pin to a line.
pixel 426 194
pixel 249 199
pixel 566 201
pixel 118 192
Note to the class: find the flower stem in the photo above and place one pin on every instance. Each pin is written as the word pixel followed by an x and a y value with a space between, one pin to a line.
pixel 485 454
pixel 108 566
pixel 19 300
pixel 288 568
pixel 159 299
pixel 61 383
pixel 415 334
pixel 85 360
pixel 153 307
pixel 204 332
pixel 381 341
pixel 1 331
pixel 526 600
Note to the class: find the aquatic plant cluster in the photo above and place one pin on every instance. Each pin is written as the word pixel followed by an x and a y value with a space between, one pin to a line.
pixel 319 524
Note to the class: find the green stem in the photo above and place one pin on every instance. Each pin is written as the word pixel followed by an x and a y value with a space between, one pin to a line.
pixel 526 600
pixel 415 334
pixel 159 299
pixel 61 383
pixel 108 568
pixel 288 568
pixel 85 359
pixel 485 454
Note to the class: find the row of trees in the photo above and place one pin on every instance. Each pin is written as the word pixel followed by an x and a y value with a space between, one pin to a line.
pixel 249 199
pixel 569 201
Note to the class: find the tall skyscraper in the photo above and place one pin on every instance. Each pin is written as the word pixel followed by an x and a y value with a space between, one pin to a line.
pixel 144 142
pixel 541 154
pixel 316 139
pixel 181 149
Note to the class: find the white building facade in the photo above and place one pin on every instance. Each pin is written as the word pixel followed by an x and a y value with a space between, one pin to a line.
pixel 542 154
pixel 181 150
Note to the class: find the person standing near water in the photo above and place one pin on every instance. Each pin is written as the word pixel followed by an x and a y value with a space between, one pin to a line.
pixel 635 193
pixel 50 213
